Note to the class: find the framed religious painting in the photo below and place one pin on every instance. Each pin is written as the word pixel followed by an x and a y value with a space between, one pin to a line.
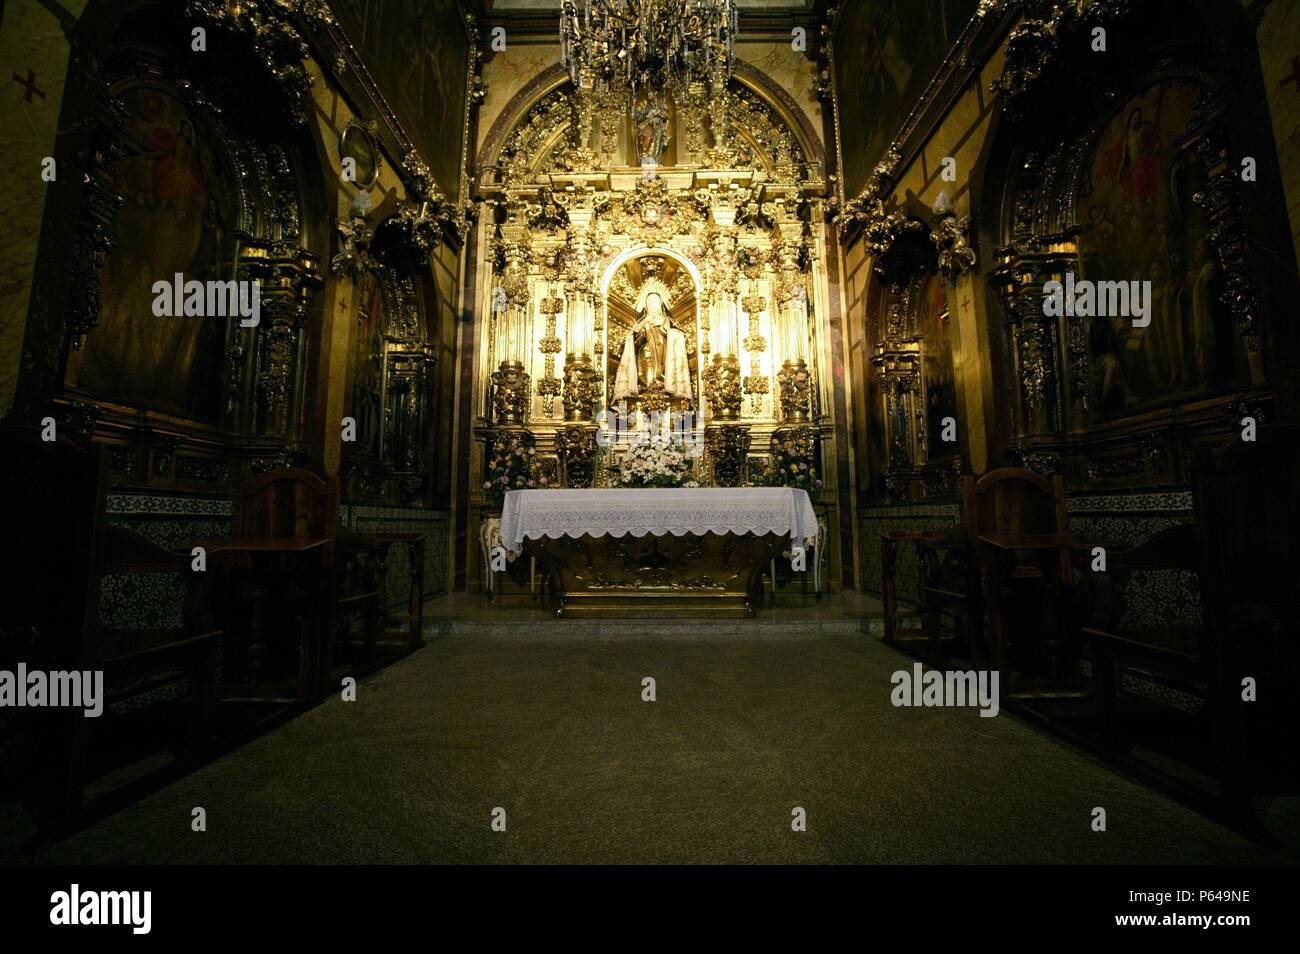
pixel 358 145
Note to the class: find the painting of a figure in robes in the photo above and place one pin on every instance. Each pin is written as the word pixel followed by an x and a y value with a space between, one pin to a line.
pixel 1140 223
pixel 177 216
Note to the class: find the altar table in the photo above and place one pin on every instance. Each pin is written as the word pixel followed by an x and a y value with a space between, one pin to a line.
pixel 659 553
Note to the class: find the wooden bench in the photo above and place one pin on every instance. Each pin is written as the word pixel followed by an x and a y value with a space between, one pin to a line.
pixel 53 495
pixel 1245 550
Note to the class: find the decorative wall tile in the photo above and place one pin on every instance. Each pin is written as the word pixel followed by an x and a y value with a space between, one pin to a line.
pixel 434 523
pixel 907 582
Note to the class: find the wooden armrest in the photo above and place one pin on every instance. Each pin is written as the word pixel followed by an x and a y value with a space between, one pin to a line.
pixel 915 536
pixel 1135 651
pixel 178 653
pixel 126 551
pixel 1173 548
pixel 349 541
pixel 952 540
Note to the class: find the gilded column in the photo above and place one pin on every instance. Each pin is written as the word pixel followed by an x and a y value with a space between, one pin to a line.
pixel 756 382
pixel 794 377
pixel 510 313
pixel 725 438
pixel 722 379
pixel 580 388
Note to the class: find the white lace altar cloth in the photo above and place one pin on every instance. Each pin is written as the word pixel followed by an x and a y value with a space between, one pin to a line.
pixel 533 514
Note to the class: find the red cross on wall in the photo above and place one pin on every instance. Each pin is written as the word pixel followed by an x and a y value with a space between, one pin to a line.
pixel 29 86
pixel 1295 74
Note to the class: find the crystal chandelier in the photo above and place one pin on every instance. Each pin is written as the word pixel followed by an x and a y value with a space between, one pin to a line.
pixel 643 50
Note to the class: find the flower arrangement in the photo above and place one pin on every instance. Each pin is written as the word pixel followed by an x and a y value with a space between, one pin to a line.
pixel 512 465
pixel 792 464
pixel 654 462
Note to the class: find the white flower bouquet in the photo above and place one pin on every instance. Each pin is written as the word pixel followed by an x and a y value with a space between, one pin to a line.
pixel 654 462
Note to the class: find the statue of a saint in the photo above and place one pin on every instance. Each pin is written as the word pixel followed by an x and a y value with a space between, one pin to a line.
pixel 652 135
pixel 654 355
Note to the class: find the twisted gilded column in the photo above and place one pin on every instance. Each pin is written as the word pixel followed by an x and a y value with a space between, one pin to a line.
pixel 722 379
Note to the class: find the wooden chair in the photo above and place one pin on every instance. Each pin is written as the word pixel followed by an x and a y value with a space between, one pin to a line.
pixel 131 655
pixel 53 500
pixel 927 542
pixel 282 561
pixel 1011 547
pixel 1116 644
pixel 1245 549
pixel 288 504
pixel 341 577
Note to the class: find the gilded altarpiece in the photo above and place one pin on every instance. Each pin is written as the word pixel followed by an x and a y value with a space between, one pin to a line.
pixel 615 289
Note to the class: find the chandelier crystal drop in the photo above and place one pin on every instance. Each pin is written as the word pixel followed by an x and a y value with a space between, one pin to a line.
pixel 640 50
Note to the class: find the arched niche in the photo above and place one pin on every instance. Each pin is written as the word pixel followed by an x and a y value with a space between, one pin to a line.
pixel 913 450
pixel 629 292
pixel 392 377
